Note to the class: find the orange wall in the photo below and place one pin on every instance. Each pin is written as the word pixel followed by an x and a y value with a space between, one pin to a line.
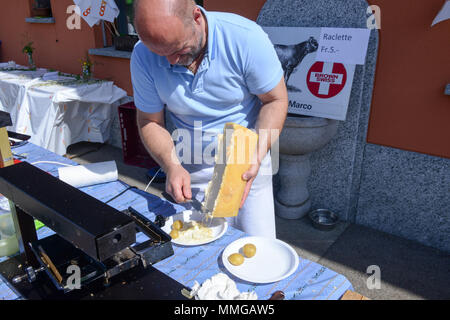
pixel 114 69
pixel 247 8
pixel 409 109
pixel 57 47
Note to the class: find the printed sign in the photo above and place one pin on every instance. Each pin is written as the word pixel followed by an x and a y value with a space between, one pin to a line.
pixel 315 88
pixel 344 45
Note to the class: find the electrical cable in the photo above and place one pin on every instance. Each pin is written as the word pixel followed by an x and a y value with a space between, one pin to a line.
pixel 121 193
pixel 53 162
pixel 133 187
pixel 148 185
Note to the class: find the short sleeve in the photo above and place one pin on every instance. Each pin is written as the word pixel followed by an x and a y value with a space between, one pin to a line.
pixel 146 97
pixel 263 70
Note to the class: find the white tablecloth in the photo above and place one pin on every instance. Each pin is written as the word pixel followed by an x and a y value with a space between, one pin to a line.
pixel 57 113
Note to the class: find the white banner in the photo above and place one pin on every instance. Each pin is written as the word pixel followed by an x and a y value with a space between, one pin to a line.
pixel 92 11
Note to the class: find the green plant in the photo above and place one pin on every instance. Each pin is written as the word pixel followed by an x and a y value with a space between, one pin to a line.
pixel 86 65
pixel 28 48
pixel 86 62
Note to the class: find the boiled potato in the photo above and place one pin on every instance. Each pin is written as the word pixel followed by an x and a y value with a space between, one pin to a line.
pixel 236 259
pixel 174 234
pixel 249 250
pixel 177 225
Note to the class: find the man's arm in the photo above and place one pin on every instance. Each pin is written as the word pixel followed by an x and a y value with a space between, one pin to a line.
pixel 159 144
pixel 268 126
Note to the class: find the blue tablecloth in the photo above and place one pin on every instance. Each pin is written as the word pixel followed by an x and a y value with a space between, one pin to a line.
pixel 198 263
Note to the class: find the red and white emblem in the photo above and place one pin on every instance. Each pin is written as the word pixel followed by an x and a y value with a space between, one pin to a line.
pixel 326 79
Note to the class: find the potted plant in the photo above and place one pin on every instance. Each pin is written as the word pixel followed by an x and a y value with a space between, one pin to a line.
pixel 28 50
pixel 86 71
pixel 42 8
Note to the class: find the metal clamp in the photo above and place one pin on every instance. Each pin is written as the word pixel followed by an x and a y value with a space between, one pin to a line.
pixel 30 274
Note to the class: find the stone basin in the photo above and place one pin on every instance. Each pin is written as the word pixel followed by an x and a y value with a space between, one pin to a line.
pixel 304 134
pixel 300 136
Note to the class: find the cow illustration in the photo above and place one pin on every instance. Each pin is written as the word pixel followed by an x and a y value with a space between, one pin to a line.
pixel 291 56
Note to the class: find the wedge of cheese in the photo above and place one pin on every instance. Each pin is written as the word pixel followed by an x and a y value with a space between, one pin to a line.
pixel 235 153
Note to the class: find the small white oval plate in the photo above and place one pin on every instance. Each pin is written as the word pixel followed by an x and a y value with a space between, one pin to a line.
pixel 274 260
pixel 218 225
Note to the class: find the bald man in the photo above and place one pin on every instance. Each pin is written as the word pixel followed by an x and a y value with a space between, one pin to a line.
pixel 200 70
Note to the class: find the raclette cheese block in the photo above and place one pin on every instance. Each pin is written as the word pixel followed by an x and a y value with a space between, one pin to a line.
pixel 235 153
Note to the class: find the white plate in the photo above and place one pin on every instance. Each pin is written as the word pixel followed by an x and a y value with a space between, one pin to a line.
pixel 218 225
pixel 274 260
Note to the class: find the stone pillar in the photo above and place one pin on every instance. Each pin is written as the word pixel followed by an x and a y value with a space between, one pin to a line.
pixel 292 198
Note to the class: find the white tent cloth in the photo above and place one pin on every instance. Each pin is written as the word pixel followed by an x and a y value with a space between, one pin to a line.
pixel 92 11
pixel 58 113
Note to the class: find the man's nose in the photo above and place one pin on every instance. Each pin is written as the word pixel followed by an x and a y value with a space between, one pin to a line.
pixel 173 59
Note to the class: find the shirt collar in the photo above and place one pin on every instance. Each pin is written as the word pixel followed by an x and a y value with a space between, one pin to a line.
pixel 210 53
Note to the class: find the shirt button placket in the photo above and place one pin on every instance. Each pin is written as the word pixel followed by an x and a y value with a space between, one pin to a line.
pixel 198 78
pixel 198 82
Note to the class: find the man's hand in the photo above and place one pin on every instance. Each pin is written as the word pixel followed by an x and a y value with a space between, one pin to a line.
pixel 178 183
pixel 249 176
pixel 159 144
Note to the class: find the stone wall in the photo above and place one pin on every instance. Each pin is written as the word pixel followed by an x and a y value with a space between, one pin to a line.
pixel 400 192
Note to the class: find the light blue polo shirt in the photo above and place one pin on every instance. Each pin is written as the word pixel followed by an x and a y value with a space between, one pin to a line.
pixel 240 62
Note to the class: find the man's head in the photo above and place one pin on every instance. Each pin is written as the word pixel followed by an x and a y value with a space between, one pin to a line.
pixel 172 28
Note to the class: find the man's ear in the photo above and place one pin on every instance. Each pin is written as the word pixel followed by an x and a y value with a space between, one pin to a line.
pixel 197 14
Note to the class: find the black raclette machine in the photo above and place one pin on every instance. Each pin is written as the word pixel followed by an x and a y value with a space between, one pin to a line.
pixel 91 238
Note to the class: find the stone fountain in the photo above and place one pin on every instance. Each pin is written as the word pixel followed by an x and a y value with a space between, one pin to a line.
pixel 301 136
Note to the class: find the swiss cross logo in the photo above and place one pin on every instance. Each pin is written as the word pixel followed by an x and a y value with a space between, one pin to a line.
pixel 326 79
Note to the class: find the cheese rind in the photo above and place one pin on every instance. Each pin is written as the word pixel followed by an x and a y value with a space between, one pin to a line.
pixel 236 149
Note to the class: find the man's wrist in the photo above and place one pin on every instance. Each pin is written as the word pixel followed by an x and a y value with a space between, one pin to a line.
pixel 171 166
